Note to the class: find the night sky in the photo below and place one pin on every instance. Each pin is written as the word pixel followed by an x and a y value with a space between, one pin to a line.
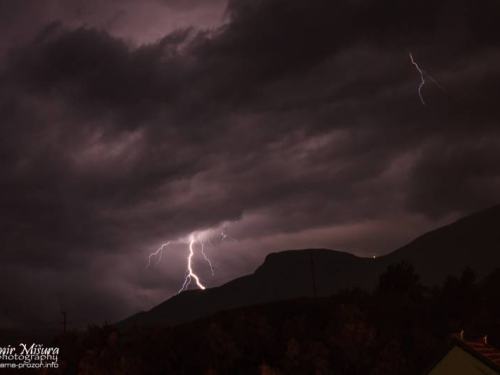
pixel 290 123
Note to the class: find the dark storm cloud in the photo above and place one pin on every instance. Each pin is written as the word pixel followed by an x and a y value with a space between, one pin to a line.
pixel 462 175
pixel 190 4
pixel 101 73
pixel 300 119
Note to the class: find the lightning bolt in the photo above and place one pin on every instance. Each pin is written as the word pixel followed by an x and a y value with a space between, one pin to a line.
pixel 206 258
pixel 194 239
pixel 423 74
pixel 191 274
pixel 159 251
pixel 422 78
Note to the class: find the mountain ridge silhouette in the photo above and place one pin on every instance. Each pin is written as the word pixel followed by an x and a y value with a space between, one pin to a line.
pixel 472 241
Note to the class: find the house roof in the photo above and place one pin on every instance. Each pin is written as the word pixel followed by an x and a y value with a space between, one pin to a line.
pixel 477 348
pixel 481 347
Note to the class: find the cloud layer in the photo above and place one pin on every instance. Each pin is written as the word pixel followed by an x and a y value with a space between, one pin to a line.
pixel 300 120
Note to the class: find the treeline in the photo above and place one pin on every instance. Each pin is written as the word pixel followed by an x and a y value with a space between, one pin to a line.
pixel 399 328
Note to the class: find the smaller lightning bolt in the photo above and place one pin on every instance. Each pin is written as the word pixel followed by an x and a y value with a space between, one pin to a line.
pixel 206 258
pixel 160 252
pixel 422 78
pixel 423 74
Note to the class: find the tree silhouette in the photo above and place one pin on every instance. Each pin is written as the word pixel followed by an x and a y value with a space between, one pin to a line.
pixel 401 279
